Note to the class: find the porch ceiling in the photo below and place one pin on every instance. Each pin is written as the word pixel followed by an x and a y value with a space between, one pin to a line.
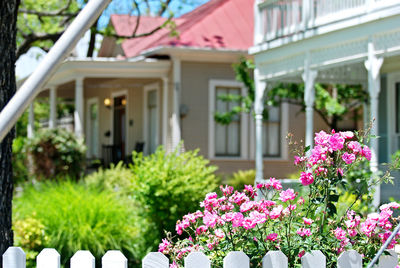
pixel 67 90
pixel 109 68
pixel 350 74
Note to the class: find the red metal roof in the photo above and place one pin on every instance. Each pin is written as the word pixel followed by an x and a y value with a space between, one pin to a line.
pixel 218 24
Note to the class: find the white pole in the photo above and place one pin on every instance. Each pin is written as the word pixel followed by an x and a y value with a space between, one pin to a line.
pixel 78 113
pixel 165 111
pixel 176 128
pixel 258 109
pixel 31 121
pixel 373 65
pixel 309 77
pixel 53 107
pixel 28 91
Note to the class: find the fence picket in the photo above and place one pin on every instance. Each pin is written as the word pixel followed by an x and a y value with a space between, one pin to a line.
pixel 313 259
pixel 48 258
pixel 349 259
pixel 236 259
pixel 114 259
pixel 275 259
pixel 155 260
pixel 388 261
pixel 197 260
pixel 14 257
pixel 82 259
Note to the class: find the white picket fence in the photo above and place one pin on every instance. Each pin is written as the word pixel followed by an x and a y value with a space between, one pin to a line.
pixel 14 257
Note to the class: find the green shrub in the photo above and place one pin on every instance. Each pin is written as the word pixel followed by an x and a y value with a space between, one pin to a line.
pixel 74 218
pixel 19 160
pixel 116 179
pixel 166 186
pixel 56 152
pixel 241 178
pixel 30 235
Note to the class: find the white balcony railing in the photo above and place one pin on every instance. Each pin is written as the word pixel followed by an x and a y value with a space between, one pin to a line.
pixel 280 18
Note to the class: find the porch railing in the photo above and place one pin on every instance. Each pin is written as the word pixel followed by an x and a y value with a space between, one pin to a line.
pixel 280 18
pixel 14 257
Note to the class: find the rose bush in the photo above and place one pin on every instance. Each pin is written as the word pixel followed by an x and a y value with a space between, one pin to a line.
pixel 251 222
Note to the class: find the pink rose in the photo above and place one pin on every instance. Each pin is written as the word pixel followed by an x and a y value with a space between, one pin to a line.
pixel 366 152
pixel 355 146
pixel 289 194
pixel 306 178
pixel 321 138
pixel 303 232
pixel 276 212
pixel 336 142
pixel 307 221
pixel 348 158
pixel 164 246
pixel 347 134
pixel 272 237
pixel 340 234
pixel 274 183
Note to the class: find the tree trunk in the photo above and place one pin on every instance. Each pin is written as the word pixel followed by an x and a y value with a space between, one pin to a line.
pixel 8 18
pixel 92 41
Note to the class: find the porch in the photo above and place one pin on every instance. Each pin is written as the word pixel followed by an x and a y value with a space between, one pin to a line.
pixel 335 42
pixel 119 106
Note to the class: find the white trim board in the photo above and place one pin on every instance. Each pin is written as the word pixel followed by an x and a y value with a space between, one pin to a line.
pixel 89 102
pixel 213 83
pixel 146 90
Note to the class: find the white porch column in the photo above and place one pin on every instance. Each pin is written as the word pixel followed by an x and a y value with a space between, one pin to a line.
pixel 373 65
pixel 31 121
pixel 260 86
pixel 53 107
pixel 309 77
pixel 175 120
pixel 165 112
pixel 78 114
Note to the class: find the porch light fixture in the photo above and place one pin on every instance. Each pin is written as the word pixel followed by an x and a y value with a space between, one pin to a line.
pixel 107 102
pixel 123 102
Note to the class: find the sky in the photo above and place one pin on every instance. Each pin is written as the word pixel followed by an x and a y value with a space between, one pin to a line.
pixel 29 61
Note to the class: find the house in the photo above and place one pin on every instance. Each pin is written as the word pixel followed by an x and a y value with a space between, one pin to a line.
pixel 336 42
pixel 158 90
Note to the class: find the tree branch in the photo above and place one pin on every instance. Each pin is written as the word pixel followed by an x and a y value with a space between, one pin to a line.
pixel 164 7
pixel 60 12
pixel 29 39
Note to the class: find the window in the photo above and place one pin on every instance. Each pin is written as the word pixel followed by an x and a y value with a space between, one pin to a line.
pixel 227 137
pixel 226 140
pixel 272 133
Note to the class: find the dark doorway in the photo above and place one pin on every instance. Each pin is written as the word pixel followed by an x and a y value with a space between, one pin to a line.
pixel 119 137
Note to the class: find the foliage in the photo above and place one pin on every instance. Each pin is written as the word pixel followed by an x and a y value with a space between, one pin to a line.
pixel 243 71
pixel 30 235
pixel 241 178
pixel 117 179
pixel 332 102
pixel 56 152
pixel 19 160
pixel 42 22
pixel 286 221
pixel 73 218
pixel 396 160
pixel 166 186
